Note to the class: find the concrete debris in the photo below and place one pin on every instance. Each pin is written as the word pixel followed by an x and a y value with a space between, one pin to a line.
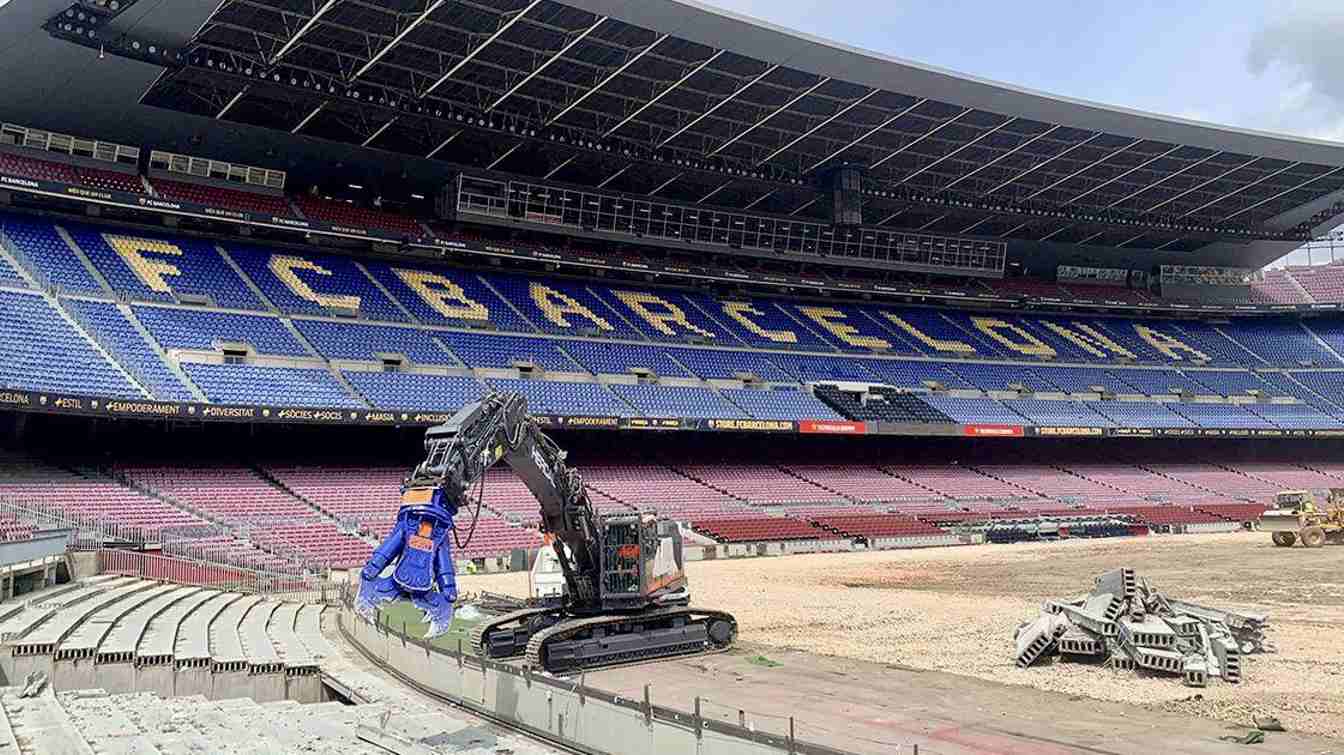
pixel 1126 624
pixel 34 683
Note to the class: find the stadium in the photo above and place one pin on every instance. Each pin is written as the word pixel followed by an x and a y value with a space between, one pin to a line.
pixel 903 352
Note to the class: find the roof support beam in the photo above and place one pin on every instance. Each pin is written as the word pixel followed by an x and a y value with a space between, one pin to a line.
pixel 1014 229
pixel 320 107
pixel 1282 193
pixel 725 185
pixel 932 222
pixel 1134 169
pixel 443 144
pixel 559 167
pixel 233 101
pixel 665 184
pixel 307 25
pixel 1060 230
pixel 1201 185
pixel 385 49
pixel 502 157
pixel 1102 233
pixel 380 131
pixel 820 83
pixel 1240 189
pixel 471 55
pixel 614 176
pixel 892 216
pixel 804 206
pixel 700 66
pixel 1128 241
pixel 1169 243
pixel 1163 180
pixel 720 104
pixel 975 225
pixel 760 199
pixel 866 134
pixel 821 125
pixel 957 151
pixel 925 135
pixel 607 79
pixel 1085 168
pixel 1009 153
pixel 1043 163
pixel 546 64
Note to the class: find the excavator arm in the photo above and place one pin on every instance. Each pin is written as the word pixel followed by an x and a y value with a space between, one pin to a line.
pixel 498 428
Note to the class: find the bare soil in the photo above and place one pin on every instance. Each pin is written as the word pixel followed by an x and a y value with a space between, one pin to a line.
pixel 955 609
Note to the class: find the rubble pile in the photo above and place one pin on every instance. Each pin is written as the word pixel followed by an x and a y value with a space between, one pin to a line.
pixel 1124 623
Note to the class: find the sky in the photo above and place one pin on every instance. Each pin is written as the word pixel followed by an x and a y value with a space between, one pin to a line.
pixel 1258 64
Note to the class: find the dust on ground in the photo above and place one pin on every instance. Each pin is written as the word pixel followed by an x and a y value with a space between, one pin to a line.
pixel 955 609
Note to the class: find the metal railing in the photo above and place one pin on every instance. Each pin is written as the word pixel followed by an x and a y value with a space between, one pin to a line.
pixel 307 588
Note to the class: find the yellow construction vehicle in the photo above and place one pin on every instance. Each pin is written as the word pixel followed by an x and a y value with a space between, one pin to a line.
pixel 1296 516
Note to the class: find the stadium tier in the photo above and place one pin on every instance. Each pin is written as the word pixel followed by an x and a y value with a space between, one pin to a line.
pixel 184 319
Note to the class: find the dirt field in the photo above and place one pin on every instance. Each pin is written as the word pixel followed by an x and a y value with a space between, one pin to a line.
pixel 954 609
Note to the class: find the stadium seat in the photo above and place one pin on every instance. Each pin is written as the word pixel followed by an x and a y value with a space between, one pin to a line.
pixel 120 338
pixel 43 352
pixel 226 198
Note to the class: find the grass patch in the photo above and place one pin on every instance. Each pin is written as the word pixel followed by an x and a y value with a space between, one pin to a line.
pixel 760 660
pixel 403 612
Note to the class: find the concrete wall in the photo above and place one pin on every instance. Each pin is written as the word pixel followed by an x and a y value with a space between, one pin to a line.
pixel 581 717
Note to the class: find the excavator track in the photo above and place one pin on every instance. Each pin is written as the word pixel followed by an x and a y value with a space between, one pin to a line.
pixel 478 632
pixel 590 643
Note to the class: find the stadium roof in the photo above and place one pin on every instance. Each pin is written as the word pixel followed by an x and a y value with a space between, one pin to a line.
pixel 717 108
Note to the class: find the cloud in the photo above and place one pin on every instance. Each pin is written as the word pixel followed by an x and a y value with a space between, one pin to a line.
pixel 1301 42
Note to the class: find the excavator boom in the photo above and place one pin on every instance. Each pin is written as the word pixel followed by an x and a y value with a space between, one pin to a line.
pixel 626 595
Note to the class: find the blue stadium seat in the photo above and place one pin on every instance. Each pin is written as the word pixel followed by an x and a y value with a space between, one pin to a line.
pixel 1141 414
pixel 1060 413
pixel 1081 379
pixel 1328 385
pixel 1220 416
pixel 566 399
pixel 1332 333
pixel 358 341
pixel 569 295
pixel 912 373
pixel 414 391
pixel 998 377
pixel 422 290
pixel 480 350
pixel 279 386
pixel 1285 344
pixel 810 367
pixel 769 327
pixel 1296 416
pixel 1235 383
pixel 614 358
pixel 677 401
pixel 725 364
pixel 657 313
pixel 847 328
pixel 313 283
pixel 784 403
pixel 9 276
pixel 974 410
pixel 127 259
pixel 1158 382
pixel 38 241
pixel 121 339
pixel 40 351
pixel 203 329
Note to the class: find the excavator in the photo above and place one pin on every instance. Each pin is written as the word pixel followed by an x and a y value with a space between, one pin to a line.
pixel 625 597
